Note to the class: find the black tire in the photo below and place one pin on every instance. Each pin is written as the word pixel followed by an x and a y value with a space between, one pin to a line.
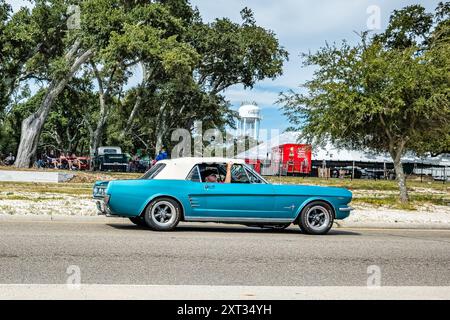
pixel 139 221
pixel 316 218
pixel 169 214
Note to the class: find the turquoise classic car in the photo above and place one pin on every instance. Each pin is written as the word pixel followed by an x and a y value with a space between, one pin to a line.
pixel 177 190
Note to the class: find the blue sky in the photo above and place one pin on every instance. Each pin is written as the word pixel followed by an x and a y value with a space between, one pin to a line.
pixel 301 26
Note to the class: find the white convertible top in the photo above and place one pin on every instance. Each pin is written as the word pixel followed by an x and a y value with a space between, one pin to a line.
pixel 179 168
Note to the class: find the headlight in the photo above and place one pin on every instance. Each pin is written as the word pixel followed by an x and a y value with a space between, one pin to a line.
pixel 99 191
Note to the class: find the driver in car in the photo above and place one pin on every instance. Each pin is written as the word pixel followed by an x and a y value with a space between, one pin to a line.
pixel 212 177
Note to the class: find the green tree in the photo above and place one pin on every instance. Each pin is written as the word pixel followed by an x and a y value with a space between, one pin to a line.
pixel 389 93
pixel 65 129
pixel 228 54
pixel 186 65
pixel 44 49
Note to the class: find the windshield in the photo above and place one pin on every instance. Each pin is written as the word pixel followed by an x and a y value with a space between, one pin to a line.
pixel 153 172
pixel 254 176
pixel 110 151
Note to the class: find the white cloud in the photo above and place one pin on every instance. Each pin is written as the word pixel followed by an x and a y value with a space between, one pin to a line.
pixel 301 26
pixel 17 4
pixel 264 98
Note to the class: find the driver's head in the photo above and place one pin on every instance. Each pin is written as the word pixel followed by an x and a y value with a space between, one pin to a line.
pixel 211 178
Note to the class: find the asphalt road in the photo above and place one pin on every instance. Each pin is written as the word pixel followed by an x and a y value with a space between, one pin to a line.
pixel 117 252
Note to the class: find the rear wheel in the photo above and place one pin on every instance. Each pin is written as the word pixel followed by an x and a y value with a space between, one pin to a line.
pixel 316 218
pixel 163 214
pixel 139 221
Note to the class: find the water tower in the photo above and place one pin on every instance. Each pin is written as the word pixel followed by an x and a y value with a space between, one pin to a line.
pixel 249 120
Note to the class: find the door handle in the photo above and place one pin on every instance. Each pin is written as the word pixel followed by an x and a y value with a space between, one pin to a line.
pixel 209 186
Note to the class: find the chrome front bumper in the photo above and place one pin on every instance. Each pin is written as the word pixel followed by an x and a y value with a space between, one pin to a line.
pixel 102 207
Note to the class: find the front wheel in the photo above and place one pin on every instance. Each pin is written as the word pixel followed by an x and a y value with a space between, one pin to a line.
pixel 316 218
pixel 163 214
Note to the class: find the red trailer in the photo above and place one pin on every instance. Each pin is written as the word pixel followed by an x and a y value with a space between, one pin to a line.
pixel 291 159
pixel 255 164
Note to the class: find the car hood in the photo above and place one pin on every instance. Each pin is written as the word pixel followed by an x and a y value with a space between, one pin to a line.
pixel 102 184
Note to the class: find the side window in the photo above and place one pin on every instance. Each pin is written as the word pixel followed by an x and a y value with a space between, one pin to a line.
pixel 153 172
pixel 211 172
pixel 194 175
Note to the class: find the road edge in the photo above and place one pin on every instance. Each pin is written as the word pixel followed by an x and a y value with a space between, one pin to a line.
pixel 337 224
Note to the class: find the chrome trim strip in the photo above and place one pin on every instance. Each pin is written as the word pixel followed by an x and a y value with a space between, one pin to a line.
pixel 199 174
pixel 346 209
pixel 193 202
pixel 238 219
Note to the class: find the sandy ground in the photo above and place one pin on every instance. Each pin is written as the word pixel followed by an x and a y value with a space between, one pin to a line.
pixel 48 204
pixel 432 216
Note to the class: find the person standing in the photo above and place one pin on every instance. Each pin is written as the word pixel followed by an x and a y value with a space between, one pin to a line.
pixel 161 155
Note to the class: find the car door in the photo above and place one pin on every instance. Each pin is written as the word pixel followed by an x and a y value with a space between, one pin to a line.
pixel 239 199
pixel 196 192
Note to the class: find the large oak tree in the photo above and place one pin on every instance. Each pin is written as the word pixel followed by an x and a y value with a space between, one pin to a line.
pixel 389 93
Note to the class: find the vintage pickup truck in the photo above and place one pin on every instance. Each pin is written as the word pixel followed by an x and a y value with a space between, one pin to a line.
pixel 110 159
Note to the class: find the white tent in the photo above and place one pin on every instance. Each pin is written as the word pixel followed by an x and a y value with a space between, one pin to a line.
pixel 332 153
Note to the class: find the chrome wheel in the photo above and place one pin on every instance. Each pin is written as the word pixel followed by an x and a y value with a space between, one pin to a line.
pixel 163 213
pixel 317 218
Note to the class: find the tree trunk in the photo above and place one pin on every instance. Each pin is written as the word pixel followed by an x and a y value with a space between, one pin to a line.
pixel 396 149
pixel 399 173
pixel 138 102
pixel 401 179
pixel 159 142
pixel 97 134
pixel 161 127
pixel 32 125
pixel 104 100
pixel 30 134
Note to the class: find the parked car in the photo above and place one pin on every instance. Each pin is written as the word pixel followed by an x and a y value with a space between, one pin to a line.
pixel 346 172
pixel 175 190
pixel 110 159
pixel 377 174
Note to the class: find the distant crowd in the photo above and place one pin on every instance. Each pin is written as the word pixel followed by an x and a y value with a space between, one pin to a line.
pixel 65 161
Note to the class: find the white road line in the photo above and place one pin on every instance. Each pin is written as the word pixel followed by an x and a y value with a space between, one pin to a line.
pixel 205 292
